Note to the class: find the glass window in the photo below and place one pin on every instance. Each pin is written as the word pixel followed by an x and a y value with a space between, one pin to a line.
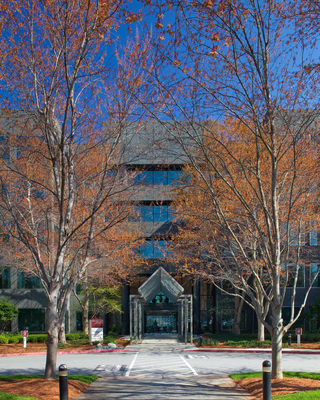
pixel 79 288
pixel 173 177
pixel 153 213
pixel 296 238
pixel 313 238
pixel 156 177
pixel 79 324
pixel 314 268
pixel 146 213
pixel 160 177
pixel 5 278
pixel 160 213
pixel 286 315
pixel 146 250
pixel 171 213
pixel 157 249
pixel 292 269
pixel 143 178
pixel 25 281
pixel 160 249
pixel 32 319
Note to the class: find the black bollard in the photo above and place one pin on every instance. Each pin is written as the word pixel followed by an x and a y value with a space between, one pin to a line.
pixel 289 339
pixel 201 340
pixel 266 379
pixel 63 382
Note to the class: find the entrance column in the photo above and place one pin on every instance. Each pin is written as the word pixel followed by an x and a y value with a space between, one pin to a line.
pixel 125 306
pixel 191 318
pixel 134 318
pixel 196 307
pixel 186 319
pixel 181 318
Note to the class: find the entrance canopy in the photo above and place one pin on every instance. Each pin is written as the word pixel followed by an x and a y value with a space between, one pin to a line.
pixel 161 281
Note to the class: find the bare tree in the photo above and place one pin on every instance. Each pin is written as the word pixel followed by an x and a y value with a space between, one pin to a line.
pixel 241 63
pixel 62 196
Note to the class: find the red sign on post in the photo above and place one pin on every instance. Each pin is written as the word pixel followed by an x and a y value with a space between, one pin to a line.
pixel 298 331
pixel 96 323
pixel 96 330
pixel 24 333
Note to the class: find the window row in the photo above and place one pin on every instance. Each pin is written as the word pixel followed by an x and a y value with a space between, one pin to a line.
pixel 156 178
pixel 24 281
pixel 306 238
pixel 152 213
pixel 314 276
pixel 158 249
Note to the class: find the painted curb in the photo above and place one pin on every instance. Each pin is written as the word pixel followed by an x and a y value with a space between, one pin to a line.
pixel 42 353
pixel 206 350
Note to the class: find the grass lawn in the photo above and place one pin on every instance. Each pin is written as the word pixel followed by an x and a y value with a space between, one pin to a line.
pixel 313 395
pixel 8 396
pixel 286 374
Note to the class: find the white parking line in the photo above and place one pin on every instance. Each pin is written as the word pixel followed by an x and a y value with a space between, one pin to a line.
pixel 189 366
pixel 131 365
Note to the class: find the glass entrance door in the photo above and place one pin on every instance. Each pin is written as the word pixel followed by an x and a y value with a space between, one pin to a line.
pixel 156 323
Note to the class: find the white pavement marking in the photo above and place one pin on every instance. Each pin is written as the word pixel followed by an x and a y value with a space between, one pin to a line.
pixel 186 362
pixel 131 365
pixel 159 365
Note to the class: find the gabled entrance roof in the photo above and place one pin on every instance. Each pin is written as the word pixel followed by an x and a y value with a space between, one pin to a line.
pixel 160 281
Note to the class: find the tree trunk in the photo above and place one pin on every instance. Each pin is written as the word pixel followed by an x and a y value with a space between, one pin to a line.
pixel 276 337
pixel 238 305
pixel 62 334
pixel 261 331
pixel 85 304
pixel 52 326
pixel 85 315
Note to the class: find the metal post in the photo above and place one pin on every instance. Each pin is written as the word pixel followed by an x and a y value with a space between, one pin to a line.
pixel 266 378
pixel 131 312
pixel 182 318
pixel 136 319
pixel 140 318
pixel 186 320
pixel 63 382
pixel 289 339
pixel 191 319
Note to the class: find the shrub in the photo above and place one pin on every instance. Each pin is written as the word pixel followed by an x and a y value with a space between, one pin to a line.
pixel 4 339
pixel 76 336
pixel 8 313
pixel 39 338
pixel 14 339
pixel 109 339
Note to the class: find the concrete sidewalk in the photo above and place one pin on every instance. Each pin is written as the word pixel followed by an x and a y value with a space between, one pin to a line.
pixel 161 343
pixel 184 388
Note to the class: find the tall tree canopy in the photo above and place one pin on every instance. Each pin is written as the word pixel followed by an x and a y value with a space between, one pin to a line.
pixel 62 196
pixel 234 78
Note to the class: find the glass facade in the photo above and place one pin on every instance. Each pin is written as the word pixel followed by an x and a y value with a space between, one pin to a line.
pixel 158 249
pixel 154 213
pixel 32 319
pixel 156 177
pixel 313 238
pixel 25 281
pixel 292 269
pixel 5 278
pixel 314 269
pixel 155 323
